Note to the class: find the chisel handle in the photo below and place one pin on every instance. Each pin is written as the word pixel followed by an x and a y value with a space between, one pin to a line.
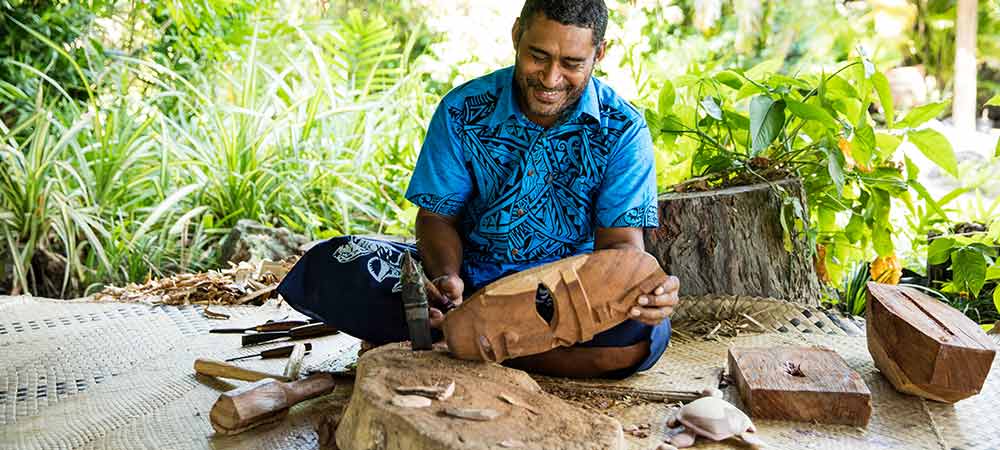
pixel 269 326
pixel 301 332
pixel 221 369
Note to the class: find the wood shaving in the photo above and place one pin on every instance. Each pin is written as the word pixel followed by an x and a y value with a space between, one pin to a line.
pixel 435 392
pixel 411 401
pixel 481 415
pixel 511 443
pixel 244 283
pixel 516 402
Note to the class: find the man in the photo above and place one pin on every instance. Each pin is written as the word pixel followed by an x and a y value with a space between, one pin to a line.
pixel 521 167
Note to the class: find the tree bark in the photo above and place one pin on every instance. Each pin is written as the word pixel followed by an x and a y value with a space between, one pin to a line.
pixel 731 242
pixel 964 107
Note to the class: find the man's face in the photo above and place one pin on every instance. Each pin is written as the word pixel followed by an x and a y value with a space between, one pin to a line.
pixel 552 67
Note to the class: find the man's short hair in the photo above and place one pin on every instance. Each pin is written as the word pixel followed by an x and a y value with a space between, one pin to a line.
pixel 592 14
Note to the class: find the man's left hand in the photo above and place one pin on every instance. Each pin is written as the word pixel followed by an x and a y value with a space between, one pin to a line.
pixel 655 306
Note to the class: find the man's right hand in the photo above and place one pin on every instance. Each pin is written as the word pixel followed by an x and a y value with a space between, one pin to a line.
pixel 443 293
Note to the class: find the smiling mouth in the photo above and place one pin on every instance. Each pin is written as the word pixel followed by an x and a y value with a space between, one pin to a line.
pixel 546 96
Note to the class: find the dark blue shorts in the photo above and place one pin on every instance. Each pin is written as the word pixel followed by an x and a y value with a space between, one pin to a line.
pixel 353 284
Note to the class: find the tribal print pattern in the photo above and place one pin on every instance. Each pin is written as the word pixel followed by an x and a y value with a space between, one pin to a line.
pixel 385 264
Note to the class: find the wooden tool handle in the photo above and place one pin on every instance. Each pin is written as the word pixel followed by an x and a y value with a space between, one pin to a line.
pixel 312 386
pixel 280 326
pixel 225 370
pixel 311 330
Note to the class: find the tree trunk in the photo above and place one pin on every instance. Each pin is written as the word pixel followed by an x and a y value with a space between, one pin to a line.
pixel 964 107
pixel 731 242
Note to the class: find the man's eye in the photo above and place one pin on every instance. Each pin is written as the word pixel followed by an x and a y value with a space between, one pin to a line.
pixel 538 57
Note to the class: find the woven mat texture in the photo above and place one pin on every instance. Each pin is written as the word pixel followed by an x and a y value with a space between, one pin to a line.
pixel 78 375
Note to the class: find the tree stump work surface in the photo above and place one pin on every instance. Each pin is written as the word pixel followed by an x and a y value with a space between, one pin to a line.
pixel 730 241
pixel 492 407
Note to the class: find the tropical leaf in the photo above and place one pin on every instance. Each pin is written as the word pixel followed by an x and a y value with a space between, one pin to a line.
pixel 969 269
pixel 936 148
pixel 917 116
pixel 767 117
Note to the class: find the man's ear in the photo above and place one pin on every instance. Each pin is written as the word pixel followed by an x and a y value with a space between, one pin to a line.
pixel 601 51
pixel 515 32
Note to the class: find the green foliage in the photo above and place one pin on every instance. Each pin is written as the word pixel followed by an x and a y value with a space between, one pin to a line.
pixel 313 127
pixel 739 127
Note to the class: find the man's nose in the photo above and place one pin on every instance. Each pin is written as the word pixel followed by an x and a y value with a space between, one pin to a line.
pixel 551 76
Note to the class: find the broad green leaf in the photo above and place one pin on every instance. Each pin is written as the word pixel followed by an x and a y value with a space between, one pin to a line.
pixel 668 95
pixel 712 108
pixel 766 119
pixel 729 78
pixel 882 240
pixel 995 101
pixel 969 269
pixel 757 72
pixel 812 112
pixel 863 144
pixel 887 144
pixel 884 97
pixel 936 148
pixel 940 250
pixel 747 90
pixel 917 116
pixel 838 87
pixel 855 229
pixel 850 107
pixel 835 166
pixel 987 327
pixel 924 194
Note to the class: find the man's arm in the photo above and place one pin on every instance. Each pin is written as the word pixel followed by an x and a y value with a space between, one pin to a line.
pixel 441 254
pixel 622 238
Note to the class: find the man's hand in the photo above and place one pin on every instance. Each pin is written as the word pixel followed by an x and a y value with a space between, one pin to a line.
pixel 655 306
pixel 443 293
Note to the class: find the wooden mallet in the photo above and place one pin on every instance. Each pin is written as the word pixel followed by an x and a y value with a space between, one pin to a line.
pixel 264 401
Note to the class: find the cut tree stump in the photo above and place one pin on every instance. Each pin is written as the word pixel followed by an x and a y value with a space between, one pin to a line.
pixel 731 242
pixel 808 384
pixel 491 407
pixel 925 347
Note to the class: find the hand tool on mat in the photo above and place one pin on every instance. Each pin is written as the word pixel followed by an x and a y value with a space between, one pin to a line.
pixel 415 303
pixel 299 332
pixel 225 370
pixel 284 325
pixel 279 352
pixel 264 401
pixel 295 360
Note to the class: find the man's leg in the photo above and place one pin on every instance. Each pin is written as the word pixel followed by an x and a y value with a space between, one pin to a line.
pixel 583 362
pixel 352 283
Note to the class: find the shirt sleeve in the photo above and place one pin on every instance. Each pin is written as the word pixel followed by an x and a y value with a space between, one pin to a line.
pixel 440 182
pixel 627 198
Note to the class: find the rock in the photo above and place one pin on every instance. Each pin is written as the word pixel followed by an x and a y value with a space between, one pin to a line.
pixel 251 240
pixel 482 415
pixel 372 422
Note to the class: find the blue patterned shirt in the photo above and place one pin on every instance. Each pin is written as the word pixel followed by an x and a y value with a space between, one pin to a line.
pixel 526 195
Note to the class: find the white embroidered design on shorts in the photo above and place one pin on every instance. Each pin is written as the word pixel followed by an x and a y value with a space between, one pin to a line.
pixel 385 264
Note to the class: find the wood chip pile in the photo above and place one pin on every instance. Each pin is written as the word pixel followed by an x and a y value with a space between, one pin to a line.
pixel 245 283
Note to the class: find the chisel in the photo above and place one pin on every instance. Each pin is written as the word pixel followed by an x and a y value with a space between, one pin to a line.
pixel 300 332
pixel 279 352
pixel 266 327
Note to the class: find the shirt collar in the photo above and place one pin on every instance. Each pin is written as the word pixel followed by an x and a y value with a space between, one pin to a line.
pixel 507 105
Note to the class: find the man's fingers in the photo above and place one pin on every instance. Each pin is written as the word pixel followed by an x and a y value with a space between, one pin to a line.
pixel 651 316
pixel 435 317
pixel 672 284
pixel 649 301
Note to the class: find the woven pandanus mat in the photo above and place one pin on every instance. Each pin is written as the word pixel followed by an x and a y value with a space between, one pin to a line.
pixel 739 313
pixel 119 376
pixel 898 421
